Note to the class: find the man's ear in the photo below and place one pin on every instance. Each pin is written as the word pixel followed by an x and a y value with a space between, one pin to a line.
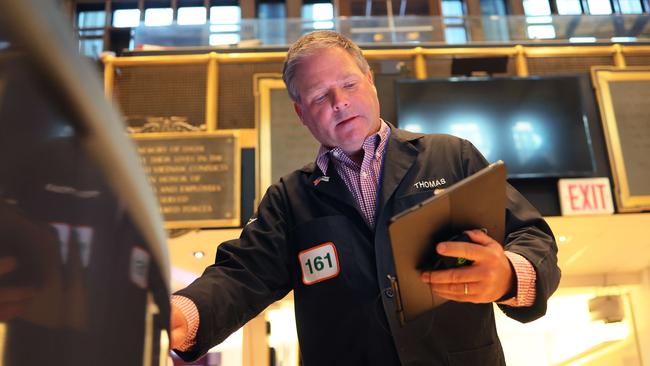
pixel 296 107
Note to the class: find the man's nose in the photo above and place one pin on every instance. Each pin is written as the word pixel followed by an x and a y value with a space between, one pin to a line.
pixel 340 100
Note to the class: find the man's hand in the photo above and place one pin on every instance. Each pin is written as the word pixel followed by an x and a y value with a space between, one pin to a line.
pixel 488 279
pixel 13 300
pixel 178 326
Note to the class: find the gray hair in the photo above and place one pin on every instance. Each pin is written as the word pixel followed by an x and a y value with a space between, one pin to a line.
pixel 307 45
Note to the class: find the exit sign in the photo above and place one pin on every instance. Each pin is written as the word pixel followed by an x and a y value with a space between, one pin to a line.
pixel 585 196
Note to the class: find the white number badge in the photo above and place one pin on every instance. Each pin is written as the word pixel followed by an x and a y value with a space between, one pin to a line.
pixel 319 263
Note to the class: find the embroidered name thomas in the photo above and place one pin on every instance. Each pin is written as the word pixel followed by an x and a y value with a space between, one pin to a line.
pixel 430 183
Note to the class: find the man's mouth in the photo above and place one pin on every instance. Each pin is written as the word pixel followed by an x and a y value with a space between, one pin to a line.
pixel 348 119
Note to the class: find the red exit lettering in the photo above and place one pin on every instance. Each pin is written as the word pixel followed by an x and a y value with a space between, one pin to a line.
pixel 587 197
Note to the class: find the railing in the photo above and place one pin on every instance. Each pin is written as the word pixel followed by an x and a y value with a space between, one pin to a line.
pixel 407 30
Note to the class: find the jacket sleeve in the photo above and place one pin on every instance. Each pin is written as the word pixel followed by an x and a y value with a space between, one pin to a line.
pixel 528 235
pixel 249 274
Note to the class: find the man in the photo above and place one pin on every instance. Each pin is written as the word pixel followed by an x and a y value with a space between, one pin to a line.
pixel 321 231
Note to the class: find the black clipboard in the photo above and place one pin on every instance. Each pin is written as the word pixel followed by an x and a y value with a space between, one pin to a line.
pixel 477 201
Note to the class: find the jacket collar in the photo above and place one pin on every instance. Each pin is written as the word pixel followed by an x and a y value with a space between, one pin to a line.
pixel 401 154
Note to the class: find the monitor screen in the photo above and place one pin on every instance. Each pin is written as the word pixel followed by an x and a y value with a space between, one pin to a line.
pixel 538 125
pixel 84 276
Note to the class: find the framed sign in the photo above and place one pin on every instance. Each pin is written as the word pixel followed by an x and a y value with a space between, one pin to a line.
pixel 284 143
pixel 623 95
pixel 196 177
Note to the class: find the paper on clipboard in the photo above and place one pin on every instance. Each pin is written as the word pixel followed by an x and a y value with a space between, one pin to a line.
pixel 477 201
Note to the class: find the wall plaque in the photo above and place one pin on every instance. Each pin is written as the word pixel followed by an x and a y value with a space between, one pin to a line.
pixel 196 177
pixel 623 95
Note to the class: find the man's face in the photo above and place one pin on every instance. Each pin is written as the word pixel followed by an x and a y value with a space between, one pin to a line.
pixel 338 102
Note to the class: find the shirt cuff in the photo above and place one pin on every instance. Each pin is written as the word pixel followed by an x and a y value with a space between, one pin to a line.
pixel 191 314
pixel 526 278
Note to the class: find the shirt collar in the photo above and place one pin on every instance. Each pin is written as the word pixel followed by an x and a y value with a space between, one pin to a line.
pixel 371 143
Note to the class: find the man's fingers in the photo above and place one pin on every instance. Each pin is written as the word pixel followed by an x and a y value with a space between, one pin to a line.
pixel 454 288
pixel 461 292
pixel 456 275
pixel 480 237
pixel 461 250
pixel 468 250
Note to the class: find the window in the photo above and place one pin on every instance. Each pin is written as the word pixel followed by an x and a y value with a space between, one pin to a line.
pixel 272 28
pixel 455 35
pixel 569 7
pixel 630 6
pixel 271 10
pixel 91 19
pixel 191 15
pixel 225 15
pixel 218 39
pixel 541 31
pixel 537 8
pixel 322 15
pixel 224 25
pixel 599 7
pixel 91 47
pixel 539 17
pixel 155 17
pixel 452 11
pixel 126 18
pixel 452 8
pixel 493 7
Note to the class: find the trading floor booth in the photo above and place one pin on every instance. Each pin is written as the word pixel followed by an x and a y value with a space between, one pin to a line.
pixel 84 271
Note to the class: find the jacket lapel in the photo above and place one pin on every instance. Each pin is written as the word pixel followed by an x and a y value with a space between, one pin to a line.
pixel 332 185
pixel 399 157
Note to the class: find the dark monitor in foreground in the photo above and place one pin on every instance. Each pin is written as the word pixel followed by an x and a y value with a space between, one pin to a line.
pixel 536 125
pixel 86 259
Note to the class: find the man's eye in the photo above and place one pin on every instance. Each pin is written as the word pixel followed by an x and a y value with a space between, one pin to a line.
pixel 320 98
pixel 350 85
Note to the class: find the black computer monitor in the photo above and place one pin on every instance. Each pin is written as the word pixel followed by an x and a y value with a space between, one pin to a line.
pixel 537 125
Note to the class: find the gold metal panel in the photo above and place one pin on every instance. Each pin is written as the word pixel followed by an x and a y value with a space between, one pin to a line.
pixel 552 51
pixel 263 87
pixel 161 60
pixel 635 50
pixel 621 168
pixel 383 54
pixel 236 92
pixel 211 95
pixel 473 51
pixel 234 221
pixel 109 76
pixel 520 53
pixel 251 57
pixel 420 64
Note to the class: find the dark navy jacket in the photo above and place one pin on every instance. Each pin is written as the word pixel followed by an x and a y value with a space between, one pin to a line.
pixel 350 319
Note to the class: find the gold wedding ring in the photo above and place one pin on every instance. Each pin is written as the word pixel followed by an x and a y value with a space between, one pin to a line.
pixel 466 289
